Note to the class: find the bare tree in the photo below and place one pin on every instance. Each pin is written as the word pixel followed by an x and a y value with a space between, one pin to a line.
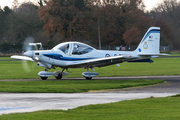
pixel 166 15
pixel 24 21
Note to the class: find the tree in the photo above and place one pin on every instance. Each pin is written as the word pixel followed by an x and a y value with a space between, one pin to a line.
pixel 42 2
pixel 118 16
pixel 67 18
pixel 2 23
pixel 166 15
pixel 23 22
pixel 18 23
pixel 56 15
pixel 78 19
pixel 132 36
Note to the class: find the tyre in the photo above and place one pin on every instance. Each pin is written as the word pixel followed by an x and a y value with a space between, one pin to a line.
pixel 59 77
pixel 44 78
pixel 88 78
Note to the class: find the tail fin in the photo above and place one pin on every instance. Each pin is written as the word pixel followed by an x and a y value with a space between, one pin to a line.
pixel 150 43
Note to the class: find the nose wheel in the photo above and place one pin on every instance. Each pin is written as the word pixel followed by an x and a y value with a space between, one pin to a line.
pixel 57 74
pixel 44 78
pixel 88 78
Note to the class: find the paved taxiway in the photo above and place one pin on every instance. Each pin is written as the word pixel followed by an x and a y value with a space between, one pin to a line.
pixel 28 102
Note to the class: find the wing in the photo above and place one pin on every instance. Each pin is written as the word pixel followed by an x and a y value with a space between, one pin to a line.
pixel 22 57
pixel 100 62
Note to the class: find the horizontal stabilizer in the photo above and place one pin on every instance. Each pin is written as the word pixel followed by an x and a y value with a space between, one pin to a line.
pixel 149 54
pixel 153 55
pixel 143 60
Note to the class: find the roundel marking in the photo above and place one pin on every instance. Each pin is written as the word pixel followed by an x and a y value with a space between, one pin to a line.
pixel 107 55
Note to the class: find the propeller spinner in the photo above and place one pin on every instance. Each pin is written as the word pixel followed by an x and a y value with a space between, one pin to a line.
pixel 28 54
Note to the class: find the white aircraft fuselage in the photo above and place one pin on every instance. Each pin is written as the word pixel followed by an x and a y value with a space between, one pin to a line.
pixel 77 55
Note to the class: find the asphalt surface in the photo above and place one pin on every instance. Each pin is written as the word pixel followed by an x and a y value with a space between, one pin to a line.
pixel 29 102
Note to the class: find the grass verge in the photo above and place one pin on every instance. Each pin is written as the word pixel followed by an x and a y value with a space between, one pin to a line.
pixel 70 86
pixel 152 109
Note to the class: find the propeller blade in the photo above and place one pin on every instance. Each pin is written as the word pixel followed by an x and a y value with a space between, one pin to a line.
pixel 26 46
pixel 28 66
pixel 22 57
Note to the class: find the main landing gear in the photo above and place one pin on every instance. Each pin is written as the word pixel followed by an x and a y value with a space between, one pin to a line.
pixel 59 74
pixel 88 75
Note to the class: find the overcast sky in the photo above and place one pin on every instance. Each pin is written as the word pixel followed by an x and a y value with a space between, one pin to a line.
pixel 149 3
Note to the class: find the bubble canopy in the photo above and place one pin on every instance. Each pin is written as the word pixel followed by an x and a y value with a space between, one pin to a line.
pixel 74 48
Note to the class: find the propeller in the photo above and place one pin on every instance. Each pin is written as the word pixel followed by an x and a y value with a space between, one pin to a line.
pixel 28 66
pixel 27 48
pixel 29 54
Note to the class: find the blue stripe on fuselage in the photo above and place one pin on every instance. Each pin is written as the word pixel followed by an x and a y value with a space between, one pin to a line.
pixel 151 31
pixel 60 57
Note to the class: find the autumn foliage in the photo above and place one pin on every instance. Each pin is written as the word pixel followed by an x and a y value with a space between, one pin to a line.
pixel 132 36
pixel 75 19
pixel 121 22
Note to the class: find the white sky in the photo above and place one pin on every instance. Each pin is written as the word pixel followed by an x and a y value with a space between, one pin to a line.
pixel 9 2
pixel 149 3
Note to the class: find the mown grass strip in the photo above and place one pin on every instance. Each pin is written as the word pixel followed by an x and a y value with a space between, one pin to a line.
pixel 70 86
pixel 142 109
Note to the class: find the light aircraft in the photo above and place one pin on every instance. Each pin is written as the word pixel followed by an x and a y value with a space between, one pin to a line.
pixel 79 55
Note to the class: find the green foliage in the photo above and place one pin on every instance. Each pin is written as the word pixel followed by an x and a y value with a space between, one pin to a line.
pixel 50 44
pixel 6 48
pixel 178 95
pixel 151 109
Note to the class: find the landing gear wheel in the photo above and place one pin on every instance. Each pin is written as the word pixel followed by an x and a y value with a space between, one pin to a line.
pixel 59 77
pixel 44 78
pixel 88 78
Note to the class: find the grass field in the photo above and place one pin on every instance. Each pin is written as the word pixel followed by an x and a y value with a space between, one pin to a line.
pixel 28 70
pixel 152 108
pixel 142 109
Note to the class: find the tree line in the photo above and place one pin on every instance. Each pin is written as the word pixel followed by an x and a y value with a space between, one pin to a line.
pixel 121 22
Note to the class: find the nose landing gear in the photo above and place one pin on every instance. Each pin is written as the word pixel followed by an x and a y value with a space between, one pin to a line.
pixel 57 74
